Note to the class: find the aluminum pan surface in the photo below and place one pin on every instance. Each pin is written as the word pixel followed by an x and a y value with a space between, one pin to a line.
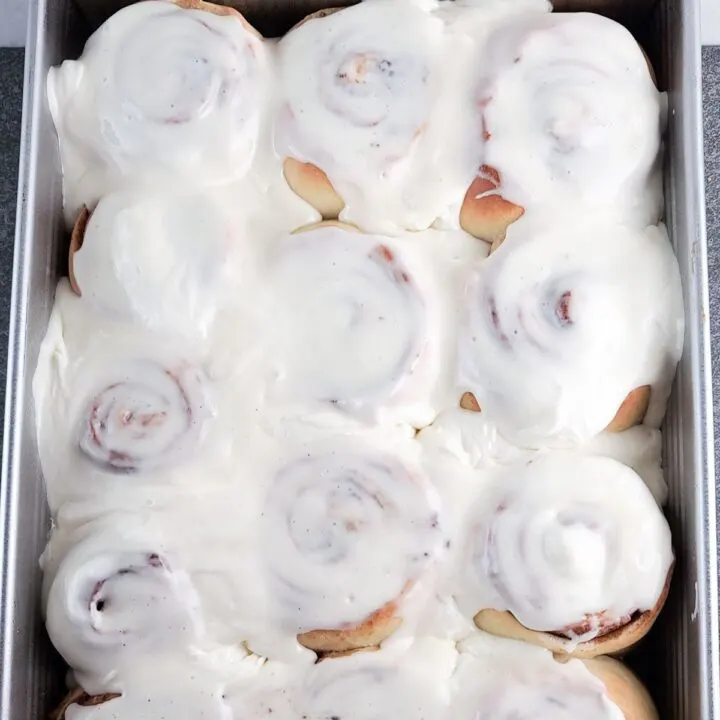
pixel 682 658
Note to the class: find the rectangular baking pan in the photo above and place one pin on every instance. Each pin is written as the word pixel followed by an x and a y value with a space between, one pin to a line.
pixel 680 660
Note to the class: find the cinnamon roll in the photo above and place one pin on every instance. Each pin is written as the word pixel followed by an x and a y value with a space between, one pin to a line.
pixel 158 257
pixel 152 686
pixel 499 681
pixel 355 325
pixel 573 330
pixel 150 416
pixel 348 534
pixel 570 552
pixel 398 682
pixel 162 88
pixel 569 115
pixel 361 89
pixel 113 599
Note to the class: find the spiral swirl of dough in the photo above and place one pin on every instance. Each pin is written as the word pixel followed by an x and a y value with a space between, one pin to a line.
pixel 112 600
pixel 151 416
pixel 159 259
pixel 567 121
pixel 359 86
pixel 348 531
pixel 369 345
pixel 159 87
pixel 569 544
pixel 562 325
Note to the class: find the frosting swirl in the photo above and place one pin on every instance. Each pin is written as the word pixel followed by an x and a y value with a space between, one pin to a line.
pixel 502 680
pixel 336 517
pixel 562 325
pixel 160 258
pixel 569 544
pixel 155 87
pixel 371 347
pixel 151 416
pixel 555 116
pixel 362 89
pixel 112 599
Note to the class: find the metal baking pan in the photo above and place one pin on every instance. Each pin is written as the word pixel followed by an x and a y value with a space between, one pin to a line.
pixel 680 660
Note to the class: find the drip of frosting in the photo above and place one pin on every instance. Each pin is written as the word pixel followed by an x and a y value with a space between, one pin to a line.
pixel 567 543
pixel 562 324
pixel 159 90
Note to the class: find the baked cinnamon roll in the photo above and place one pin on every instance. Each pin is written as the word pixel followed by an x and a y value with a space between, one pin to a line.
pixel 409 682
pixel 348 534
pixel 508 680
pixel 160 258
pixel 573 330
pixel 355 325
pixel 570 116
pixel 361 89
pixel 113 599
pixel 153 685
pixel 569 552
pixel 168 88
pixel 149 417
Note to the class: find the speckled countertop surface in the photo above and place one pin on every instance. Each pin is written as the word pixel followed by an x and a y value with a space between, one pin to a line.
pixel 711 106
pixel 11 79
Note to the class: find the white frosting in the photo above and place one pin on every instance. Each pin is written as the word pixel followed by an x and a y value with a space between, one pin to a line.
pixel 163 258
pixel 362 323
pixel 112 599
pixel 404 682
pixel 159 90
pixel 563 322
pixel 556 113
pixel 567 543
pixel 227 415
pixel 501 680
pixel 379 96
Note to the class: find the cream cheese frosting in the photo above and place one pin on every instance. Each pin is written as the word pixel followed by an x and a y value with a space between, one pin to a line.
pixel 562 323
pixel 159 91
pixel 249 421
pixel 560 553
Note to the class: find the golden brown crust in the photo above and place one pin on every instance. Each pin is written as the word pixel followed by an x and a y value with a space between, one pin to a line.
pixel 80 697
pixel 623 688
pixel 310 183
pixel 469 402
pixel 632 411
pixel 348 227
pixel 376 628
pixel 345 653
pixel 485 214
pixel 221 10
pixel 316 16
pixel 615 642
pixel 76 242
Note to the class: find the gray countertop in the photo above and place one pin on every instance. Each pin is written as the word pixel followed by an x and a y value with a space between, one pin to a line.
pixel 11 72
pixel 711 122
